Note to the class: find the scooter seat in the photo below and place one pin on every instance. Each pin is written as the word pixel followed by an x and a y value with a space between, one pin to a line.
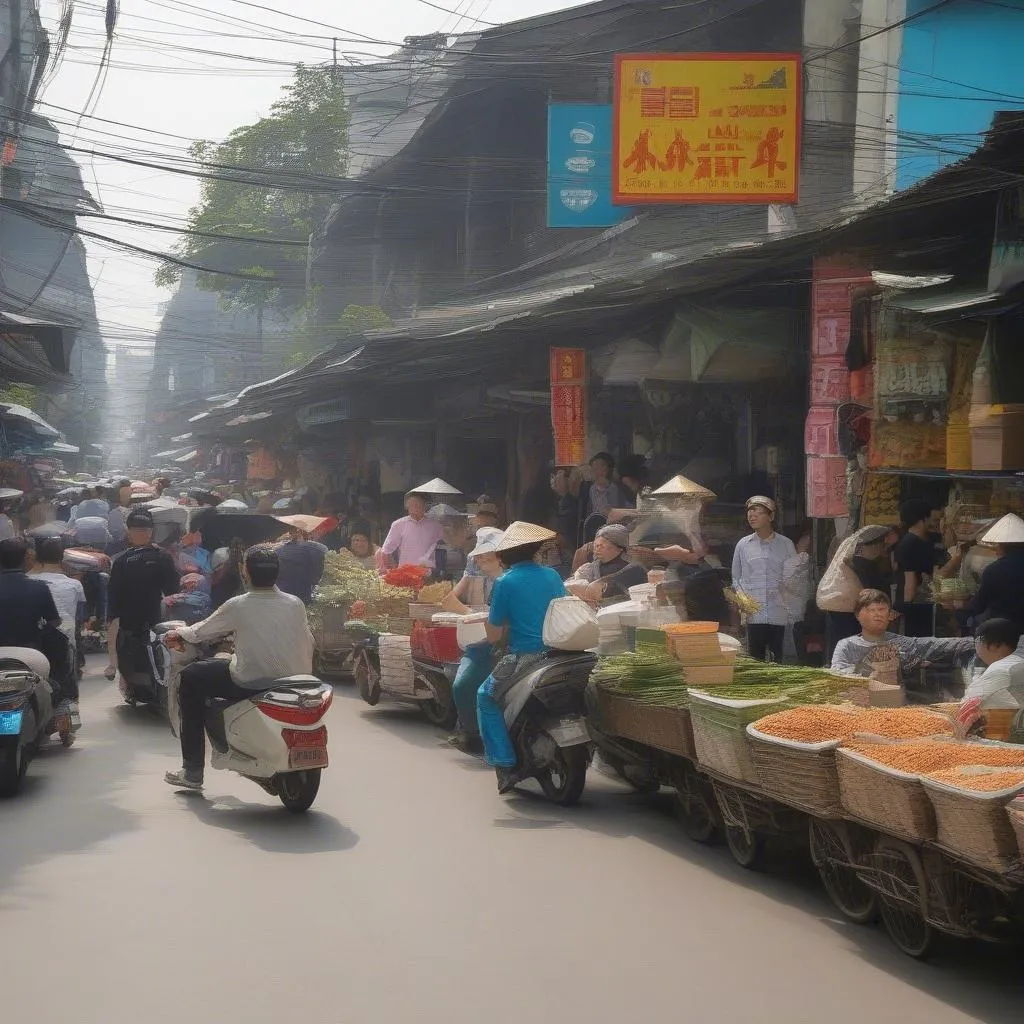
pixel 293 682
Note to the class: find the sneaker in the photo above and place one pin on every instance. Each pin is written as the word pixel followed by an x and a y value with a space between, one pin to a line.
pixel 185 779
pixel 109 672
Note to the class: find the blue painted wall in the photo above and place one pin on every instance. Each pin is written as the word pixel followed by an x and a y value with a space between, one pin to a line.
pixel 958 66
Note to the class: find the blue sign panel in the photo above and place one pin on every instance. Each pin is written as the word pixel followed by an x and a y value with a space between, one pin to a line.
pixel 580 167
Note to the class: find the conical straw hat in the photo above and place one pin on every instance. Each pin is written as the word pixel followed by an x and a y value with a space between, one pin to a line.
pixel 1009 530
pixel 435 486
pixel 519 534
pixel 680 485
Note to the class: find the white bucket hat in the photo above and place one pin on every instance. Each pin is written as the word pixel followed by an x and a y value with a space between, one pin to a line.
pixel 487 540
pixel 1009 530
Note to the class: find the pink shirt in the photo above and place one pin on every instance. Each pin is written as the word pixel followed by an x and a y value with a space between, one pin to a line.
pixel 414 540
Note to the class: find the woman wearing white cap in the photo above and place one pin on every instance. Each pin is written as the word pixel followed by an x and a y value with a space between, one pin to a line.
pixel 1001 594
pixel 478 659
pixel 759 566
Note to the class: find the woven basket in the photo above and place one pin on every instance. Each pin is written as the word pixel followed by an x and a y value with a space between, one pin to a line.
pixel 1016 816
pixel 801 774
pixel 894 801
pixel 328 626
pixel 664 728
pixel 719 733
pixel 975 824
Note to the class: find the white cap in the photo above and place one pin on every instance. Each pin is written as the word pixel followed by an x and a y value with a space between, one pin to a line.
pixel 1009 530
pixel 487 538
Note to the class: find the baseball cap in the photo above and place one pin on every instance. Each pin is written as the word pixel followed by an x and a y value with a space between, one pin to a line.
pixel 139 519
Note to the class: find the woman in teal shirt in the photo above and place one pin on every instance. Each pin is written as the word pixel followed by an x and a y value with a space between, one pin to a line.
pixel 519 604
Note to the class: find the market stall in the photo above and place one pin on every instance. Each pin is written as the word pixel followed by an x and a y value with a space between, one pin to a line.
pixel 907 819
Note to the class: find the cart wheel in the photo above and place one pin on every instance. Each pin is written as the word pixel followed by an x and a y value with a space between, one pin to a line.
pixel 833 856
pixel 367 681
pixel 903 909
pixel 697 809
pixel 746 847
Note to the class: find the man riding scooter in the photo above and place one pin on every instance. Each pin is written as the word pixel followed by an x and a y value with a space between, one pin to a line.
pixel 272 641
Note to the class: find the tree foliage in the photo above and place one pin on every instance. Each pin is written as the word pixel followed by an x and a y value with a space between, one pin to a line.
pixel 22 394
pixel 268 198
pixel 313 338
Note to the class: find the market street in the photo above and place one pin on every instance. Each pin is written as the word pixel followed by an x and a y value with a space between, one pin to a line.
pixel 413 892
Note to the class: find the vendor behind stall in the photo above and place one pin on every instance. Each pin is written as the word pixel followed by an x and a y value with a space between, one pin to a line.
pixel 1001 593
pixel 860 655
pixel 1000 687
pixel 610 574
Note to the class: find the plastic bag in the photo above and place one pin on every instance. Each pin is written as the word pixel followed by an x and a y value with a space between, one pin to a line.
pixel 840 585
pixel 570 625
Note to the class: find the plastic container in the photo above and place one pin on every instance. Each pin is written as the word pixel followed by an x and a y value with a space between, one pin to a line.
pixel 471 629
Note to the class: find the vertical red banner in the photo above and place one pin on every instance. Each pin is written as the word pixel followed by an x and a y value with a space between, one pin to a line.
pixel 568 369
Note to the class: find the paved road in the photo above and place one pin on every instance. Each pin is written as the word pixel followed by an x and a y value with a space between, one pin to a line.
pixel 415 893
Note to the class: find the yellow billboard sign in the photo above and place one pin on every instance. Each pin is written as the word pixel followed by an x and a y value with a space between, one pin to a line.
pixel 706 128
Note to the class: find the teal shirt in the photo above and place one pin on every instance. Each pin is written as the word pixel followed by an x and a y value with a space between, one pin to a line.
pixel 520 602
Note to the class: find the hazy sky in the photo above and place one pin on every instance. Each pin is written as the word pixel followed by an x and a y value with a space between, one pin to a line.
pixel 160 94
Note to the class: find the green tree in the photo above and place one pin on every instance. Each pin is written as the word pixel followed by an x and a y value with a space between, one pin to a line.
pixel 270 198
pixel 312 338
pixel 22 394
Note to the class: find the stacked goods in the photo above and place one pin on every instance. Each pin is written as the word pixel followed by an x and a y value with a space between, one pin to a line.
pixel 794 751
pixel 396 668
pixel 641 697
pixel 698 649
pixel 970 813
pixel 881 782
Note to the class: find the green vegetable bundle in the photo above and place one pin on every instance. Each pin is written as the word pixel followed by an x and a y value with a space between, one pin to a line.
pixel 647 677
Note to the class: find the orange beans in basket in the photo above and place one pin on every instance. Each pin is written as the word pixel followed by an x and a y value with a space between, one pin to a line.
pixel 984 782
pixel 933 755
pixel 822 723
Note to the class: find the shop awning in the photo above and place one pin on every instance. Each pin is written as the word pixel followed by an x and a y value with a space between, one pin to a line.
pixel 63 448
pixel 188 457
pixel 26 420
pixel 959 300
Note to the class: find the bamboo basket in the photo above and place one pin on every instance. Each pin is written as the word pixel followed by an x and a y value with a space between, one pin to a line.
pixel 665 728
pixel 975 825
pixel 802 774
pixel 719 733
pixel 892 800
pixel 1015 812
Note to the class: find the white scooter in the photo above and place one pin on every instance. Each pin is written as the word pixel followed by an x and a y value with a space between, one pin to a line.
pixel 276 737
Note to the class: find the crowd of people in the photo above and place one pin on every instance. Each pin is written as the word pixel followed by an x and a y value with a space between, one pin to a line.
pixel 875 578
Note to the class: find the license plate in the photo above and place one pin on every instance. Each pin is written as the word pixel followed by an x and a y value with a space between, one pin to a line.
pixel 10 722
pixel 312 757
pixel 570 732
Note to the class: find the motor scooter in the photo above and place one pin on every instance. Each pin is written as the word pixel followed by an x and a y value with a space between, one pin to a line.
pixel 275 737
pixel 545 712
pixel 26 710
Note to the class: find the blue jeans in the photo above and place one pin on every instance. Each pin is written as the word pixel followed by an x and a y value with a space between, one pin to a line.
pixel 498 749
pixel 473 670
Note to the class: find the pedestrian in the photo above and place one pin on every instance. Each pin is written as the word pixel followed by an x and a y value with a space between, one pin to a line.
pixel 916 558
pixel 413 538
pixel 758 570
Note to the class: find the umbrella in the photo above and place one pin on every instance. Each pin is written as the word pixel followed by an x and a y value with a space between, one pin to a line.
pixel 48 530
pixel 219 529
pixel 233 505
pixel 435 486
pixel 317 525
pixel 9 493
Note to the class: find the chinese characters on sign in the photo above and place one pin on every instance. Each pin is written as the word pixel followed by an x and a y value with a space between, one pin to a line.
pixel 706 128
pixel 569 405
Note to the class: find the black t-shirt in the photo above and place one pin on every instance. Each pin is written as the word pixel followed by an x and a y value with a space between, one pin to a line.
pixel 25 604
pixel 626 575
pixel 139 579
pixel 913 554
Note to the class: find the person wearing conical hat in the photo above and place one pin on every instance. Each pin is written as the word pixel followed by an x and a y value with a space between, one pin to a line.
pixel 1001 593
pixel 412 539
pixel 519 604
